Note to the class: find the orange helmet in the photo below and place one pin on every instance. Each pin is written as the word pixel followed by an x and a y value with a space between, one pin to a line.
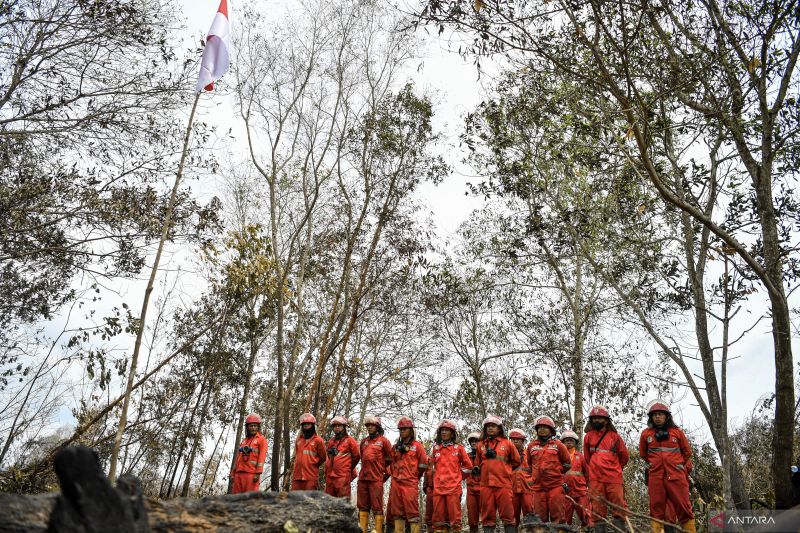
pixel 658 405
pixel 599 410
pixel 569 434
pixel 405 422
pixel 544 421
pixel 252 418
pixel 308 418
pixel 447 424
pixel 517 433
pixel 372 420
pixel 339 420
pixel 491 419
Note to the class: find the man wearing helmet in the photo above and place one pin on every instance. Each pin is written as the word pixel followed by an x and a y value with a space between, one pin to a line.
pixel 495 460
pixel 666 449
pixel 376 456
pixel 450 464
pixel 409 462
pixel 606 454
pixel 577 500
pixel 309 455
pixel 343 456
pixel 473 486
pixel 522 484
pixel 250 457
pixel 549 459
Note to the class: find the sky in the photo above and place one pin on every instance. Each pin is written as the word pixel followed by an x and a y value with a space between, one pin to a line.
pixel 456 89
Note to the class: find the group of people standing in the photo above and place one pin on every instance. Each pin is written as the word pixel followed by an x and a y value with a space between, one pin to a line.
pixel 506 476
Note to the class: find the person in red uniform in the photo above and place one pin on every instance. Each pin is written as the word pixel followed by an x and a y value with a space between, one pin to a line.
pixel 522 487
pixel 473 487
pixel 577 500
pixel 427 488
pixel 495 460
pixel 549 460
pixel 251 457
pixel 409 462
pixel 343 456
pixel 666 449
pixel 309 455
pixel 451 464
pixel 606 454
pixel 376 456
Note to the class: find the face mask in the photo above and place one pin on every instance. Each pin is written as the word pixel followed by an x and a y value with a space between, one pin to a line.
pixel 597 425
pixel 307 433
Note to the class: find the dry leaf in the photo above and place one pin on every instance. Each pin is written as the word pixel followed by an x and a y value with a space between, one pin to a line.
pixel 630 133
pixel 641 209
pixel 477 5
pixel 753 65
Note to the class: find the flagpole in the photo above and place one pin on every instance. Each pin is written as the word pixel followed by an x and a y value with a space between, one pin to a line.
pixel 168 219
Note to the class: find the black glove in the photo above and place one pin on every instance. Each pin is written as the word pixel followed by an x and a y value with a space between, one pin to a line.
pixel 245 449
pixel 646 474
pixel 333 452
pixel 401 447
pixel 476 471
pixel 490 453
pixel 566 488
pixel 662 434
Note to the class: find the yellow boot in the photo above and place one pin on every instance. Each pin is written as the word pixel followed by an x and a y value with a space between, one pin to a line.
pixel 399 525
pixel 656 526
pixel 689 526
pixel 416 527
pixel 363 521
pixel 379 523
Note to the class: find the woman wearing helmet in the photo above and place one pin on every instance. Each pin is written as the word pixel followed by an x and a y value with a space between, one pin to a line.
pixel 473 486
pixel 522 485
pixel 309 455
pixel 250 458
pixel 667 451
pixel 409 462
pixel 606 454
pixel 577 500
pixel 343 456
pixel 495 460
pixel 376 456
pixel 450 464
pixel 549 460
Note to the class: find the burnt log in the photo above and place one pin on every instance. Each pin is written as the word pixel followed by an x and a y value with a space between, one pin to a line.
pixel 88 503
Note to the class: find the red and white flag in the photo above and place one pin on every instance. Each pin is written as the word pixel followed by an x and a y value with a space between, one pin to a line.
pixel 216 57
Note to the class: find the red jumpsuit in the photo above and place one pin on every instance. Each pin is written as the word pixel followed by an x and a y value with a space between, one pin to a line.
pixel 376 456
pixel 522 490
pixel 496 480
pixel 606 454
pixel 473 500
pixel 549 460
pixel 406 470
pixel 249 463
pixel 578 495
pixel 309 455
pixel 670 464
pixel 450 464
pixel 339 467
pixel 427 488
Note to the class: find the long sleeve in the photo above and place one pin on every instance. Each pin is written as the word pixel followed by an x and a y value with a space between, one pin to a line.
pixel 262 455
pixel 622 451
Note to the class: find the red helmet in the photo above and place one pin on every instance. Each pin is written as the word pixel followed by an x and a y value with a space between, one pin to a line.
pixel 599 410
pixel 474 435
pixel 447 424
pixel 405 422
pixel 491 419
pixel 658 405
pixel 252 418
pixel 339 420
pixel 517 433
pixel 373 420
pixel 544 421
pixel 569 434
pixel 308 418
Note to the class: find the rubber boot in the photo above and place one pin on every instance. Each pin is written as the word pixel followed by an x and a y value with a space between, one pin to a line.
pixel 656 526
pixel 620 524
pixel 509 528
pixel 379 522
pixel 416 527
pixel 399 525
pixel 473 529
pixel 363 521
pixel 690 526
pixel 600 527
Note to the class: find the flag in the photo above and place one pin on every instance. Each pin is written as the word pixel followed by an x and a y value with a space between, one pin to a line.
pixel 216 57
